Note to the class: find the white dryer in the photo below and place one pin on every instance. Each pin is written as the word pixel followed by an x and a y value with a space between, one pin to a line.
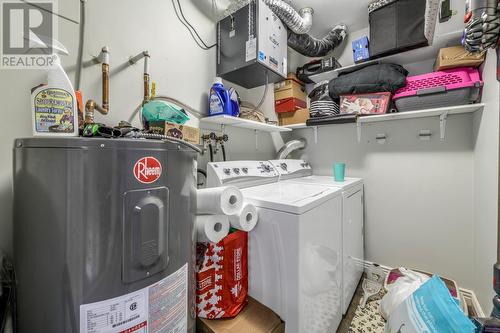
pixel 295 252
pixel 299 171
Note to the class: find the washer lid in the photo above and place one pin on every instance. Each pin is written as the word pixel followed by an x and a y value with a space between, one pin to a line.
pixel 328 181
pixel 295 198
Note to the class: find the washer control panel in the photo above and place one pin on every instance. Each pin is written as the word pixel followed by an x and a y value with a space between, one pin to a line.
pixel 292 168
pixel 241 173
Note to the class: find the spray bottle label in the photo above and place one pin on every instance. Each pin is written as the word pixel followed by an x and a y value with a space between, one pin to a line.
pixel 54 112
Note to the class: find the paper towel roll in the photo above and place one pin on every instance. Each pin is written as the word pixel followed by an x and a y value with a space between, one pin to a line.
pixel 246 219
pixel 219 201
pixel 211 228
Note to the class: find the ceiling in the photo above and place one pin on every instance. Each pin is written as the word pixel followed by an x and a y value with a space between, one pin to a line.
pixel 328 13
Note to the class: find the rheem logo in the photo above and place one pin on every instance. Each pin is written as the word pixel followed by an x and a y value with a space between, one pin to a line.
pixel 147 170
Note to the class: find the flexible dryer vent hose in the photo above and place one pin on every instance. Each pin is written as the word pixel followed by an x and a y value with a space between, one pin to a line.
pixel 313 47
pixel 290 147
pixel 298 22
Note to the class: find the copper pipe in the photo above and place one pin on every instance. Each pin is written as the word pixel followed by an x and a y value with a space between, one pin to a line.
pixel 91 106
pixel 146 88
pixel 146 77
pixel 105 87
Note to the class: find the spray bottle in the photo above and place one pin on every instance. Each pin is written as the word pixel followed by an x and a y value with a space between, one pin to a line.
pixel 54 103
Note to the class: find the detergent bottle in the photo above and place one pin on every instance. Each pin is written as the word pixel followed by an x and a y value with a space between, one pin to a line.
pixel 220 100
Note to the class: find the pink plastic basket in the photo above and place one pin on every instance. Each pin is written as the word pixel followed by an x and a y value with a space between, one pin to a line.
pixel 450 79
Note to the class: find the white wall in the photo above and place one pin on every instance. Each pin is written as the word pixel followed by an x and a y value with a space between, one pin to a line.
pixel 485 142
pixel 419 194
pixel 180 69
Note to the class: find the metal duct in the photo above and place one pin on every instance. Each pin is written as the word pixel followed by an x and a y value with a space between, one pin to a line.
pixel 298 22
pixel 290 147
pixel 312 47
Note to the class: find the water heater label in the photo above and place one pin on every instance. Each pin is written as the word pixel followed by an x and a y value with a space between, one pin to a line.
pixel 147 170
pixel 161 307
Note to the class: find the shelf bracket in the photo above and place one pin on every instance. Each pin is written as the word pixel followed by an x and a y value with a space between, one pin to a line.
pixel 358 130
pixel 442 125
pixel 256 140
pixel 315 131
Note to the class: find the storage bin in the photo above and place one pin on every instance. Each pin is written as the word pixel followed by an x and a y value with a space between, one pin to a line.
pixel 396 26
pixel 439 89
pixel 375 103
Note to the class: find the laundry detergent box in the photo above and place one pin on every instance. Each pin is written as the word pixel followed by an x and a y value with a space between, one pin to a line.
pixel 183 132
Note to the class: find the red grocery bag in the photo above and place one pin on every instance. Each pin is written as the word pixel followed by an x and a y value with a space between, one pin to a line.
pixel 222 276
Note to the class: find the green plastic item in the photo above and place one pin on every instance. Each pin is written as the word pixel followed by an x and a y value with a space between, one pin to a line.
pixel 164 111
pixel 339 171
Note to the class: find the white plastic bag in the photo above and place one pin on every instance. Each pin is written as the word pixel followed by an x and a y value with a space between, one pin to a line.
pixel 401 290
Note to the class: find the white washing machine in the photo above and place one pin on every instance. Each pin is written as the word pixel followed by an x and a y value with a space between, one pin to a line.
pixel 299 171
pixel 295 252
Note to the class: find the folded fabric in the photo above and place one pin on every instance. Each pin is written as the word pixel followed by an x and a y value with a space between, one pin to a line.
pixel 369 79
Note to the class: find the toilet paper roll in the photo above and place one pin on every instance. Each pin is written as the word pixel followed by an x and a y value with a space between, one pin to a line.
pixel 211 228
pixel 246 219
pixel 219 201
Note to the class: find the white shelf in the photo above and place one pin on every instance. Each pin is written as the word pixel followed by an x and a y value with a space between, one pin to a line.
pixel 404 58
pixel 441 113
pixel 470 108
pixel 296 126
pixel 243 123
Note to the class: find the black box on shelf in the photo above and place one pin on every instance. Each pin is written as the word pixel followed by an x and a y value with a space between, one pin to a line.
pixel 396 26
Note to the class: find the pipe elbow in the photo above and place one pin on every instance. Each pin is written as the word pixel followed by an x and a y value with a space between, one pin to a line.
pixel 90 107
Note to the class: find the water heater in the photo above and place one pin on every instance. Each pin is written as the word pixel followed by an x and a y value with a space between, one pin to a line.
pixel 252 46
pixel 103 235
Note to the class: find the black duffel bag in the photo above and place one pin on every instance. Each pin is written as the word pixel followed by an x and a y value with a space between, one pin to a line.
pixel 369 79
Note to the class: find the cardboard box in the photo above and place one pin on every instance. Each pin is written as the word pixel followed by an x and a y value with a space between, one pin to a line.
pixel 290 89
pixel 289 105
pixel 186 133
pixel 457 56
pixel 291 118
pixel 289 95
pixel 254 318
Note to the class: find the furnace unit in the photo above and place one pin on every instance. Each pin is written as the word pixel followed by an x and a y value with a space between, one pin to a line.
pixel 252 46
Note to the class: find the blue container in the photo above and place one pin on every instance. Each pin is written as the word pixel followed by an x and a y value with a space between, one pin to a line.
pixel 220 100
pixel 360 49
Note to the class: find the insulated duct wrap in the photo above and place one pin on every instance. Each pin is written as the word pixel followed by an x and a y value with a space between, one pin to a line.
pixel 298 22
pixel 312 47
